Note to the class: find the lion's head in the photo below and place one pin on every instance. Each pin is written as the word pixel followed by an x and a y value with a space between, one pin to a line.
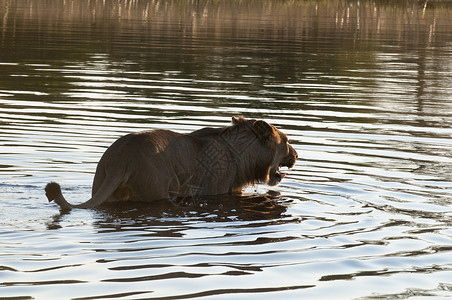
pixel 264 148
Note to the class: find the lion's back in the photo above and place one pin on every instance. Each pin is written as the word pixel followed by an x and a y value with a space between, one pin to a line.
pixel 150 141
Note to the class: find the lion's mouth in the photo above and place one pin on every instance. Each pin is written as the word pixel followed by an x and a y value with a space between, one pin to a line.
pixel 278 175
pixel 275 175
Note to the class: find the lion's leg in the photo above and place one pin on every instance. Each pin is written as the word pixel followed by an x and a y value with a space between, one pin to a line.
pixel 122 193
pixel 99 178
pixel 173 189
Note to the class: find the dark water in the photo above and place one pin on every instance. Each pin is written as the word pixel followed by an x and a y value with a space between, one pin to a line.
pixel 363 89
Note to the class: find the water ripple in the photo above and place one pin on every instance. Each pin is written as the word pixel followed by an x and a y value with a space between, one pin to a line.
pixel 366 211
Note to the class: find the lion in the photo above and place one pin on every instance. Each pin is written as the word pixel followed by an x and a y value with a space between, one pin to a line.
pixel 162 164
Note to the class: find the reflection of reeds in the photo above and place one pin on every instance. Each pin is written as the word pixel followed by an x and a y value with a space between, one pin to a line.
pixel 281 18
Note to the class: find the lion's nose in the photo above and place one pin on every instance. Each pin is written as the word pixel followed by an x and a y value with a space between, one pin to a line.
pixel 294 152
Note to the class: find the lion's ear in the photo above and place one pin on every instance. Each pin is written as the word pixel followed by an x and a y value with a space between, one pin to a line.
pixel 236 120
pixel 264 130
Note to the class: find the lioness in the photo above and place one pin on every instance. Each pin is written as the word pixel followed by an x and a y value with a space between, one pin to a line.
pixel 162 164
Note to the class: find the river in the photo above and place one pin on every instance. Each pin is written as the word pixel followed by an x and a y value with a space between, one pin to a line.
pixel 362 88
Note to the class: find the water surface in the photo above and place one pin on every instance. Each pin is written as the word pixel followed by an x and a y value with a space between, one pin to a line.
pixel 363 89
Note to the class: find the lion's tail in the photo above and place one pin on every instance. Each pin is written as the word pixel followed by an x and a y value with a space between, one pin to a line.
pixel 108 187
pixel 53 193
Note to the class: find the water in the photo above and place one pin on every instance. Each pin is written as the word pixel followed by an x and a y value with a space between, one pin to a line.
pixel 363 89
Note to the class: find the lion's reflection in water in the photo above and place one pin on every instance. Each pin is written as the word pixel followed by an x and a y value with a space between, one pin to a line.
pixel 220 208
